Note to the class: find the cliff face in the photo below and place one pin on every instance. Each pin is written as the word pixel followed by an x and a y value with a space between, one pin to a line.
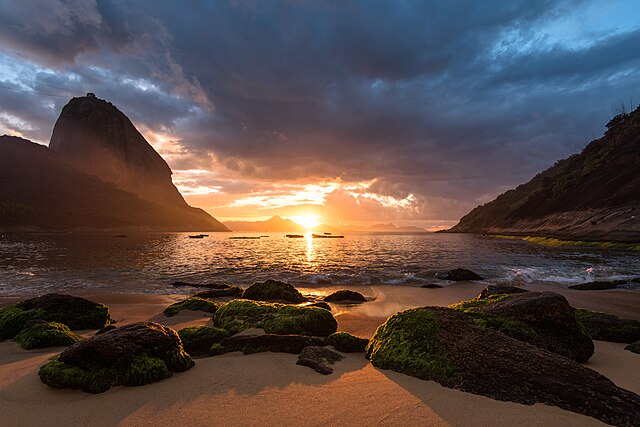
pixel 99 173
pixel 594 195
pixel 100 140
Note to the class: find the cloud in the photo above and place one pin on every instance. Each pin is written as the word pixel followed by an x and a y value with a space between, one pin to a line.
pixel 450 103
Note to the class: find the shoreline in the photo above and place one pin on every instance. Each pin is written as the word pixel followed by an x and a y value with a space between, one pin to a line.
pixel 250 390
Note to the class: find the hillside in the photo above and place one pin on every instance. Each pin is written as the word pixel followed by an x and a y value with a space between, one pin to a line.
pixel 273 224
pixel 594 195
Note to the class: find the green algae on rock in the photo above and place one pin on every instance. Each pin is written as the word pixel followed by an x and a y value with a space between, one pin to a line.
pixel 74 312
pixel 197 340
pixel 40 334
pixel 544 319
pixel 193 304
pixel 135 354
pixel 347 343
pixel 274 318
pixel 608 327
pixel 446 346
pixel 273 290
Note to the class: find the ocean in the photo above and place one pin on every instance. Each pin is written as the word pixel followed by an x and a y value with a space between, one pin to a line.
pixel 32 264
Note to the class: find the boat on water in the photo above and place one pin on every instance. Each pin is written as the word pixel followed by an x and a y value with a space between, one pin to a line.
pixel 326 236
pixel 244 237
pixel 198 236
pixel 295 236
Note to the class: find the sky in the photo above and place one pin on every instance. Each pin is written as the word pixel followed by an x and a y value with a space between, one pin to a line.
pixel 355 112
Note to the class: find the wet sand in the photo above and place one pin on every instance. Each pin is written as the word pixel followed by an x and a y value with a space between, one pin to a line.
pixel 269 388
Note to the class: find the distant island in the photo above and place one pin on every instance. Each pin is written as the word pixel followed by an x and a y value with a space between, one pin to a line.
pixel 594 195
pixel 279 224
pixel 99 172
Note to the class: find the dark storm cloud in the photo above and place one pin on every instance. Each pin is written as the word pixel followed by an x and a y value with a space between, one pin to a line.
pixel 449 101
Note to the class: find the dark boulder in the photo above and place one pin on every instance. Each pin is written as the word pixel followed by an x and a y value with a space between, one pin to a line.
pixel 40 334
pixel 499 290
pixel 229 291
pixel 75 312
pixel 198 340
pixel 276 343
pixel 345 296
pixel 106 329
pixel 193 304
pixel 346 343
pixel 275 318
pixel 458 275
pixel 634 347
pixel 544 319
pixel 431 286
pixel 180 284
pixel 601 285
pixel 273 290
pixel 318 359
pixel 443 345
pixel 320 304
pixel 608 327
pixel 135 354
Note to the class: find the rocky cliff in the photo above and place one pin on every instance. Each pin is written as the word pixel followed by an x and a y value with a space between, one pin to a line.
pixel 594 195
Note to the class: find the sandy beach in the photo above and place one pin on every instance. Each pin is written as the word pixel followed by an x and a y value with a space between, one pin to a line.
pixel 269 388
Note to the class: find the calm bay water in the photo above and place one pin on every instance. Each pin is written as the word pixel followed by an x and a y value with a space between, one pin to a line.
pixel 148 263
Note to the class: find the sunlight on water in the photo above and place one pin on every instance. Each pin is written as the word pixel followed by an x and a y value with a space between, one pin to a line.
pixel 32 264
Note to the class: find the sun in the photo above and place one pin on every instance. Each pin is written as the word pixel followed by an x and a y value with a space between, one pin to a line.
pixel 307 221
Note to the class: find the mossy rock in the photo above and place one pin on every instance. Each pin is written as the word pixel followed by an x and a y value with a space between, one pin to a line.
pixel 193 304
pixel 74 312
pixel 274 318
pixel 608 327
pixel 319 358
pixel 347 343
pixel 500 290
pixel 446 346
pixel 293 344
pixel 40 334
pixel 544 319
pixel 345 296
pixel 131 355
pixel 320 304
pixel 228 291
pixel 273 290
pixel 197 340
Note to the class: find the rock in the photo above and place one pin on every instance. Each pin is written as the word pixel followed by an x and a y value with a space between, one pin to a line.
pixel 458 275
pixel 499 290
pixel 597 285
pixel 274 318
pixel 230 291
pixel 135 354
pixel 220 286
pixel 269 342
pixel 317 358
pixel 40 334
pixel 544 319
pixel 320 304
pixel 634 347
pixel 197 340
pixel 346 343
pixel 75 312
pixel 443 345
pixel 193 304
pixel 345 296
pixel 431 285
pixel 607 327
pixel 273 290
pixel 106 329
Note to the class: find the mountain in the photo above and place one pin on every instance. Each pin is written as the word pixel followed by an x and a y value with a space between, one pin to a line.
pixel 273 224
pixel 55 189
pixel 389 227
pixel 594 195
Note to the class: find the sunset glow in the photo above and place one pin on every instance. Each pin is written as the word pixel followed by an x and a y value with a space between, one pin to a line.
pixel 308 221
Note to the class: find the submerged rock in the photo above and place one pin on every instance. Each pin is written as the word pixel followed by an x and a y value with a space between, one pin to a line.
pixel 608 327
pixel 318 359
pixel 543 319
pixel 274 318
pixel 273 290
pixel 74 312
pixel 132 355
pixel 444 345
pixel 345 296
pixel 198 340
pixel 634 347
pixel 499 290
pixel 40 334
pixel 276 343
pixel 458 275
pixel 346 343
pixel 193 304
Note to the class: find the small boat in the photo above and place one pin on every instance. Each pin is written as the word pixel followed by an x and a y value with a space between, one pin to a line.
pixel 204 235
pixel 244 237
pixel 295 236
pixel 264 236
pixel 197 236
pixel 327 234
pixel 324 236
pixel 119 235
